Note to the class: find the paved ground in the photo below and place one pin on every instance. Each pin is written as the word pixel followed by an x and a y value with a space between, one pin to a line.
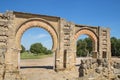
pixel 42 69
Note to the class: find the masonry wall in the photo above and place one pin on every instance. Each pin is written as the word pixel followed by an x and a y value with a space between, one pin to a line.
pixel 65 50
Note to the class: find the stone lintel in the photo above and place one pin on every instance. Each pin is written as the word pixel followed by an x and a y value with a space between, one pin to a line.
pixel 30 15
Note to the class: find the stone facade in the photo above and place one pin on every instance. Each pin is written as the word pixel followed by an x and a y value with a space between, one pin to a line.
pixel 64 35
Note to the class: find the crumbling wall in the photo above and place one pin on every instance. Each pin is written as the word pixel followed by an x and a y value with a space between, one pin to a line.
pixel 96 69
pixel 116 69
pixel 3 44
pixel 6 27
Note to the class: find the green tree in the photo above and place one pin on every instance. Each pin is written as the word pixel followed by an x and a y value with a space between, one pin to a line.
pixel 81 48
pixel 84 47
pixel 118 48
pixel 48 52
pixel 23 49
pixel 89 44
pixel 114 46
pixel 36 48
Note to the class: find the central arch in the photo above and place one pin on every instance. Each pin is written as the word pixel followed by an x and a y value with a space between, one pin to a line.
pixel 93 37
pixel 36 23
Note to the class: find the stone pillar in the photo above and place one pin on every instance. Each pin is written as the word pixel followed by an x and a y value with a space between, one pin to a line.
pixel 95 50
pixel 108 44
pixel 65 58
pixel 11 56
pixel 19 60
pixel 11 62
pixel 55 56
pixel 72 48
pixel 60 48
pixel 100 43
pixel 104 43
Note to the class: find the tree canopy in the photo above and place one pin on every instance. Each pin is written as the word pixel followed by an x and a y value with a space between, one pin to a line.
pixel 115 46
pixel 38 48
pixel 84 47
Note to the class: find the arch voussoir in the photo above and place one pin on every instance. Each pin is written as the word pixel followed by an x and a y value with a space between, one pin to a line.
pixel 91 34
pixel 36 23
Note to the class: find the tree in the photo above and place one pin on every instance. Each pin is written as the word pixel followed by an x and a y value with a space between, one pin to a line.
pixel 81 48
pixel 38 48
pixel 84 47
pixel 118 47
pixel 115 46
pixel 89 44
pixel 23 49
pixel 48 52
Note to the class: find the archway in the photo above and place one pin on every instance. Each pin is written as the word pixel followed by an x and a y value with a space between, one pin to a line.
pixel 84 46
pixel 33 23
pixel 29 60
pixel 93 37
pixel 36 43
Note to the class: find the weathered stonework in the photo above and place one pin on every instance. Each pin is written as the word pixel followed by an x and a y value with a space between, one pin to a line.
pixel 96 69
pixel 64 35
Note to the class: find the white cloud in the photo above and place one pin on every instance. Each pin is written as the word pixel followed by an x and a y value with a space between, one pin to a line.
pixel 40 36
pixel 48 41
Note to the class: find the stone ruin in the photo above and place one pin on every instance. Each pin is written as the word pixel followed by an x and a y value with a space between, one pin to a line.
pixel 99 69
pixel 64 35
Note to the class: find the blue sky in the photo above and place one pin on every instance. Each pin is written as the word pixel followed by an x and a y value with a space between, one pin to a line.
pixel 104 13
pixel 36 35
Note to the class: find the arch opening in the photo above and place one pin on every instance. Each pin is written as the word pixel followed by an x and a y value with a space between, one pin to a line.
pixel 36 35
pixel 40 24
pixel 84 46
pixel 30 61
pixel 93 38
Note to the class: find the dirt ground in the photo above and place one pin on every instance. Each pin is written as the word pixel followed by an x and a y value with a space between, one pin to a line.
pixel 42 69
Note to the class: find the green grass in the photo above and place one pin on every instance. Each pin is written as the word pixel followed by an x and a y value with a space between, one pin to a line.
pixel 27 55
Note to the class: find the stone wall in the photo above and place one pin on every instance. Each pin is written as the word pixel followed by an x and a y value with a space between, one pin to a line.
pixel 64 34
pixel 99 69
pixel 3 43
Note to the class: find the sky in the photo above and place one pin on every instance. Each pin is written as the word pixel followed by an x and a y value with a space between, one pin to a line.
pixel 105 13
pixel 36 35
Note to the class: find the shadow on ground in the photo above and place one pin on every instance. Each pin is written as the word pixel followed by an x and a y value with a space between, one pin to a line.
pixel 45 67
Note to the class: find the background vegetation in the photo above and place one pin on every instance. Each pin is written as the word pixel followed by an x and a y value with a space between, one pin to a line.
pixel 84 48
pixel 115 46
pixel 37 50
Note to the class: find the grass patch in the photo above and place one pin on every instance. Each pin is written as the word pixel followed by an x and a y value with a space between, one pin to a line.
pixel 27 55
